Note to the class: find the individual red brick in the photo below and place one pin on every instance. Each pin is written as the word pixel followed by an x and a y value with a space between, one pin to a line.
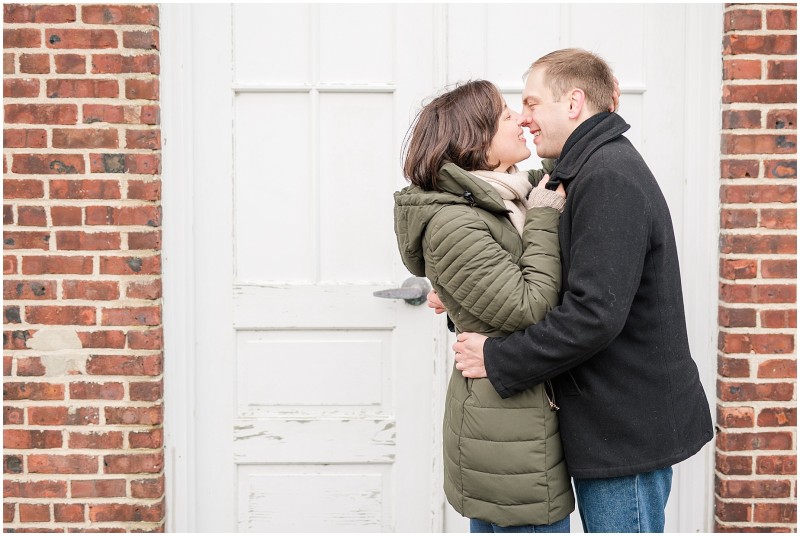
pixel 9 511
pixel 102 339
pixel 738 417
pixel 772 244
pixel 12 314
pixel 146 391
pixel 739 392
pixel 141 215
pixel 48 164
pixel 30 366
pixel 108 113
pixel 17 138
pixel 742 19
pixel 82 489
pixel 133 463
pixel 66 216
pixel 734 465
pixel 34 513
pixel 147 290
pixel 734 368
pixel 120 14
pixel 782 69
pixel 737 69
pixel 96 391
pixel 130 265
pixel 759 44
pixel 32 216
pixel 151 339
pixel 732 512
pixel 737 318
pixel 36 265
pixel 782 119
pixel 95 440
pixel 81 241
pixel 776 465
pixel 17 339
pixel 775 513
pixel 780 169
pixel 7 363
pixel 144 241
pixel 20 88
pixel 61 315
pixel 758 194
pixel 34 63
pixel 31 439
pixel 85 189
pixel 779 319
pixel 150 488
pixel 778 416
pixel 736 343
pixel 61 38
pixel 782 19
pixel 91 290
pixel 137 416
pixel 69 513
pixel 72 88
pixel 12 464
pixel 744 489
pixel 145 190
pixel 40 489
pixel 150 114
pixel 8 63
pixel 783 269
pixel 62 464
pixel 70 63
pixel 119 365
pixel 54 14
pixel 738 219
pixel 738 169
pixel 131 316
pixel 23 189
pixel 151 439
pixel 12 415
pixel 758 144
pixel 10 265
pixel 85 138
pixel 49 114
pixel 148 40
pixel 754 441
pixel 8 215
pixel 126 512
pixel 143 139
pixel 22 38
pixel 142 89
pixel 33 391
pixel 26 240
pixel 56 416
pixel 118 63
pixel 779 218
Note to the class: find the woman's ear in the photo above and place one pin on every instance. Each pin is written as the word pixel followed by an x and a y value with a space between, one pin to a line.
pixel 577 100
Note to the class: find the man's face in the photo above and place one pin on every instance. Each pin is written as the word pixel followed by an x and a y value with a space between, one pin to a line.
pixel 547 117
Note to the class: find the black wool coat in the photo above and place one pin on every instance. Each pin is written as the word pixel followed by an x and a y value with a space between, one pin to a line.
pixel 616 347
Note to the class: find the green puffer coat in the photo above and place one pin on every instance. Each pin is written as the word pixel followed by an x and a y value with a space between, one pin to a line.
pixel 503 458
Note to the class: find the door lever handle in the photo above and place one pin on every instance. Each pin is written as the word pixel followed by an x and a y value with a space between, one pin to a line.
pixel 414 291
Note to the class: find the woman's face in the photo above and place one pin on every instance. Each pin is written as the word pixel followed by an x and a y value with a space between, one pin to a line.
pixel 508 145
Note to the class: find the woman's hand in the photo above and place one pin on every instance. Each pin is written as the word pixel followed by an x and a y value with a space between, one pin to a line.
pixel 542 183
pixel 435 303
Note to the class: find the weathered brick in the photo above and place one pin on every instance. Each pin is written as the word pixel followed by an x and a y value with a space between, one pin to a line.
pixel 53 14
pixel 734 465
pixel 95 440
pixel 776 465
pixel 759 44
pixel 40 489
pixel 32 439
pixel 83 138
pixel 48 164
pixel 72 88
pixel 82 489
pixel 62 464
pixel 754 441
pixel 33 391
pixel 70 63
pixel 96 391
pixel 49 114
pixel 778 416
pixel 22 38
pixel 133 463
pixel 126 512
pixel 69 513
pixel 56 416
pixel 61 38
pixel 17 138
pixel 34 513
pixel 119 365
pixel 20 88
pixel 738 417
pixel 120 14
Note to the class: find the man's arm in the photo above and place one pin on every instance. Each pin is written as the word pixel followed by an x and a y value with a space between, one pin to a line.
pixel 609 241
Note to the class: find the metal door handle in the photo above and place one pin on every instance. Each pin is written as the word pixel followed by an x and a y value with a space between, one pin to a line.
pixel 414 291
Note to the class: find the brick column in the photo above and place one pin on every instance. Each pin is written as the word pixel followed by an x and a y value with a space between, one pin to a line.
pixel 756 465
pixel 82 410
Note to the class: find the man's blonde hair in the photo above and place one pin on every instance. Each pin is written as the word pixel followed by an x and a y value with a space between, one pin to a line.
pixel 576 68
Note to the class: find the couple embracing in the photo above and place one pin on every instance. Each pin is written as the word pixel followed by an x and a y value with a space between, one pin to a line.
pixel 563 286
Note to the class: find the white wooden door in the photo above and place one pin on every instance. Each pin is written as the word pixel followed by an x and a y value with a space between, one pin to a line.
pixel 296 400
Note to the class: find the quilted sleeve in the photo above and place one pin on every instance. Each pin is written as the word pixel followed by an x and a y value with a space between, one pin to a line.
pixel 479 275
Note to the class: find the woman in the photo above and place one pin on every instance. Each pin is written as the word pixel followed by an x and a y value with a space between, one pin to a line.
pixel 487 240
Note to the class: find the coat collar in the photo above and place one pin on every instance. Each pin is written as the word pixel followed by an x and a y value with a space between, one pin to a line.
pixel 609 127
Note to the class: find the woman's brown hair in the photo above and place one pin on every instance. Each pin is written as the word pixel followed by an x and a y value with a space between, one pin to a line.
pixel 458 127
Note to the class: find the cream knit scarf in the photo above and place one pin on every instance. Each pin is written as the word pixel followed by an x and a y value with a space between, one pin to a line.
pixel 513 189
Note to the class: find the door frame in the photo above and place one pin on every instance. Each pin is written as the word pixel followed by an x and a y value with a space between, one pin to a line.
pixel 180 45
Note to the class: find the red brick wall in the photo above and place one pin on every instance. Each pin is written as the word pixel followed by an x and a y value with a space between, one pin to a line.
pixel 756 466
pixel 82 412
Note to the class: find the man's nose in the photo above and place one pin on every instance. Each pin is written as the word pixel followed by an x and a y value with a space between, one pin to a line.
pixel 523 119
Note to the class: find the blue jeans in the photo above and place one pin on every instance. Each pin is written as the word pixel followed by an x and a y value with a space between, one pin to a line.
pixel 624 504
pixel 476 525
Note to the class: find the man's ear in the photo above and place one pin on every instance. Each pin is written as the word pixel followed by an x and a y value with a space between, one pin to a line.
pixel 577 101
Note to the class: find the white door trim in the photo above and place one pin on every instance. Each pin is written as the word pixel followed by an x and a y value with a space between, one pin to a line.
pixel 181 229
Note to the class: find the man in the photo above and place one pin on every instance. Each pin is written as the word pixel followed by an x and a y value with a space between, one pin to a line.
pixel 630 397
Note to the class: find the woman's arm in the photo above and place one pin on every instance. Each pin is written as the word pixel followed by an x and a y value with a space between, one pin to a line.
pixel 474 271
